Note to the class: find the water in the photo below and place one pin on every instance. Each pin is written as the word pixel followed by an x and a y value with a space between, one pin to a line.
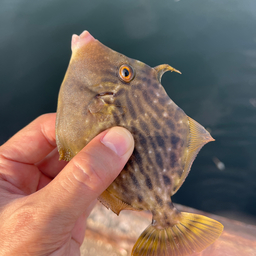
pixel 213 43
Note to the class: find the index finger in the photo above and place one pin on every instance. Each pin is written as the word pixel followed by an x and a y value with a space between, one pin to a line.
pixel 33 143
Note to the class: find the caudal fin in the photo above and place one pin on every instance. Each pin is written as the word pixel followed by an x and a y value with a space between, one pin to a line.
pixel 192 234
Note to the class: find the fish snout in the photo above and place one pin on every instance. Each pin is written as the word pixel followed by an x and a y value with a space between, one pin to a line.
pixel 79 41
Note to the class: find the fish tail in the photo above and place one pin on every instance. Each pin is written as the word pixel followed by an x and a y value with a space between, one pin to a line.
pixel 192 234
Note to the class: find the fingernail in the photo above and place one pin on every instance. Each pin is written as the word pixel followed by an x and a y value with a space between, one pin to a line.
pixel 119 140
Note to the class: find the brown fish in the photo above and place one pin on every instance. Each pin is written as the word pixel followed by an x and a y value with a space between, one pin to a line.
pixel 103 88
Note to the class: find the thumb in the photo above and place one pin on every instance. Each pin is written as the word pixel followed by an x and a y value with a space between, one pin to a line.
pixel 88 174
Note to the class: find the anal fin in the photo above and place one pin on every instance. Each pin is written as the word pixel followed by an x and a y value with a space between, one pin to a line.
pixel 112 202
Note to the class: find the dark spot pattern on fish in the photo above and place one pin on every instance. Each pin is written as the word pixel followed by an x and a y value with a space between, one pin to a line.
pixel 130 107
pixel 175 141
pixel 159 140
pixel 167 180
pixel 170 205
pixel 133 129
pixel 130 165
pixel 134 180
pixel 147 99
pixel 159 200
pixel 155 123
pixel 148 182
pixel 155 172
pixel 139 107
pixel 142 170
pixel 118 103
pixel 117 119
pixel 144 127
pixel 144 79
pixel 164 133
pixel 149 160
pixel 142 140
pixel 119 92
pixel 170 124
pixel 157 110
pixel 152 94
pixel 125 189
pixel 155 85
pixel 163 100
pixel 173 159
pixel 151 139
pixel 159 160
pixel 137 157
pixel 140 198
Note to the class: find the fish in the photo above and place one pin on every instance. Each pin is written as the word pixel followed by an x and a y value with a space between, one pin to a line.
pixel 102 89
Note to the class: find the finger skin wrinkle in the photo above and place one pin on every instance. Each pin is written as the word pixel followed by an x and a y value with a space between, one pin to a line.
pixel 76 242
pixel 4 158
pixel 6 188
pixel 22 176
pixel 88 176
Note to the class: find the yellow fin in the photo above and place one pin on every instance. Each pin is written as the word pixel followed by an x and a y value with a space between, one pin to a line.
pixel 198 137
pixel 112 202
pixel 192 234
pixel 161 69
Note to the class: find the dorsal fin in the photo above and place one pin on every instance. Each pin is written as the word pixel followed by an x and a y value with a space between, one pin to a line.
pixel 198 137
pixel 161 69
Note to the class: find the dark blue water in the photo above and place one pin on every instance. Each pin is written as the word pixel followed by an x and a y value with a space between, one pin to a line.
pixel 213 43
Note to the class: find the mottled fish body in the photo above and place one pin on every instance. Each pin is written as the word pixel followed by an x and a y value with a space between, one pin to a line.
pixel 103 88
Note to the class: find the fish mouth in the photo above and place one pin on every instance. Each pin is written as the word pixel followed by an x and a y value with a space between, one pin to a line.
pixel 83 39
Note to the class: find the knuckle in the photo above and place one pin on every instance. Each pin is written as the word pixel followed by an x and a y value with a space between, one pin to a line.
pixel 87 173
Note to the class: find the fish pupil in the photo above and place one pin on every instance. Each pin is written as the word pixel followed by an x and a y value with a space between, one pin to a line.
pixel 125 72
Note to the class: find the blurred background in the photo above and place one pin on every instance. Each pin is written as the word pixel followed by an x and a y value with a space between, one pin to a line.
pixel 213 44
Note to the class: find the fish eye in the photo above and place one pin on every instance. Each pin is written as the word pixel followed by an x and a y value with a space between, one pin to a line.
pixel 126 73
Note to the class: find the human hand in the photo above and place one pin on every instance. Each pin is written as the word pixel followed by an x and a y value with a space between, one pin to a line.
pixel 44 202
